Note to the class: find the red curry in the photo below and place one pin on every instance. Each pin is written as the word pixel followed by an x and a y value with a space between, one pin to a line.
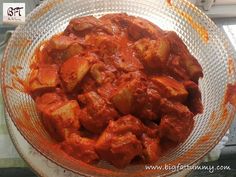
pixel 117 88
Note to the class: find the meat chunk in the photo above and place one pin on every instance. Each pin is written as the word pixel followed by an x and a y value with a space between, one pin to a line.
pixel 48 102
pixel 118 144
pixel 137 27
pixel 175 108
pixel 170 88
pixel 153 54
pixel 152 149
pixel 73 71
pixel 151 129
pixel 101 74
pixel 106 91
pixel 147 106
pixel 84 25
pixel 97 113
pixel 123 99
pixel 60 116
pixel 43 79
pixel 125 124
pixel 80 148
pixel 175 129
pixel 140 28
pixel 74 49
pixel 176 68
pixel 119 150
pixel 105 44
pixel 190 63
pixel 61 42
pixel 194 97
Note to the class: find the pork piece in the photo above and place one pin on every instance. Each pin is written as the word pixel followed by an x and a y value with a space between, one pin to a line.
pixel 137 27
pixel 176 69
pixel 61 42
pixel 114 51
pixel 125 124
pixel 61 47
pixel 106 44
pixel 194 102
pixel 126 59
pixel 74 49
pixel 97 113
pixel 151 129
pixel 140 28
pixel 84 25
pixel 60 116
pixel 175 128
pixel 118 144
pixel 119 150
pixel 147 105
pixel 175 108
pixel 190 63
pixel 44 78
pixel 48 102
pixel 101 73
pixel 106 91
pixel 151 149
pixel 170 88
pixel 73 71
pixel 124 97
pixel 153 54
pixel 80 148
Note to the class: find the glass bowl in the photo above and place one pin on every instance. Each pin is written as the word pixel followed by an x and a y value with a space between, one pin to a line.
pixel 204 40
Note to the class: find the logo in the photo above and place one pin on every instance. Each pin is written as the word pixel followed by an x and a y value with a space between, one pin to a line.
pixel 14 13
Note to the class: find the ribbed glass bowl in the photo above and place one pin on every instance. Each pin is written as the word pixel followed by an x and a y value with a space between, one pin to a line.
pixel 214 56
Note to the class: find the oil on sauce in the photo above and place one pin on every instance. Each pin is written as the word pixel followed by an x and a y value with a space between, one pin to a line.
pixel 200 29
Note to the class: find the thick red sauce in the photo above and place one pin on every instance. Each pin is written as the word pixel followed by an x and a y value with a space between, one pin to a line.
pixel 117 88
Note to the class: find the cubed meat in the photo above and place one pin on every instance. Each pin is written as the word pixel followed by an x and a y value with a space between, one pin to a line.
pixel 106 91
pixel 59 115
pixel 126 59
pixel 61 42
pixel 97 72
pixel 194 102
pixel 151 129
pixel 147 106
pixel 74 49
pixel 63 120
pixel 105 44
pixel 126 124
pixel 48 102
pixel 84 25
pixel 175 108
pixel 73 71
pixel 153 54
pixel 152 149
pixel 101 74
pixel 80 148
pixel 190 63
pixel 81 26
pixel 43 79
pixel 175 129
pixel 119 150
pixel 176 68
pixel 170 88
pixel 96 115
pixel 123 99
pixel 140 28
